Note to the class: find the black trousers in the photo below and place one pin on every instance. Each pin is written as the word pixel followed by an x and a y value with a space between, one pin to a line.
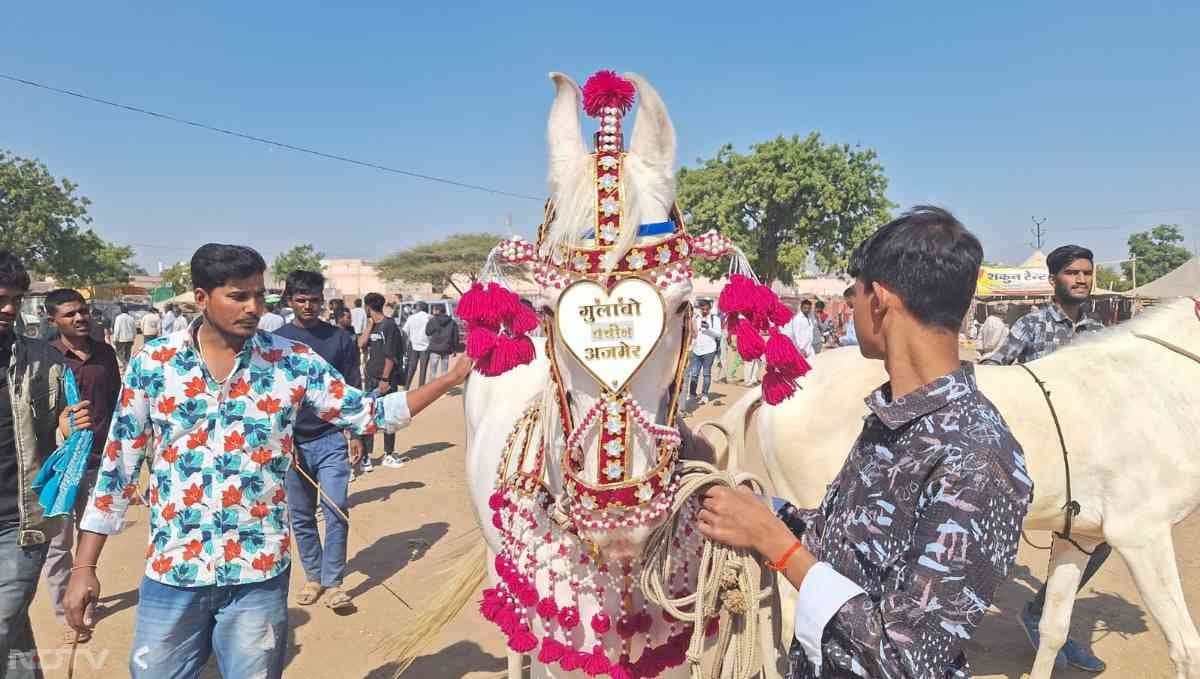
pixel 415 357
pixel 389 440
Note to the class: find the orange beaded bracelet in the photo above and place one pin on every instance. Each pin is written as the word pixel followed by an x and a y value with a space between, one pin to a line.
pixel 780 564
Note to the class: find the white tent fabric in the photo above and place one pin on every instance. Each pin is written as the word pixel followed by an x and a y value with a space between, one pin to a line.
pixel 1182 282
pixel 1037 260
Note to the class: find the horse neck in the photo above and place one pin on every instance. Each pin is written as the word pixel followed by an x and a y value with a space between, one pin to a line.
pixel 1174 322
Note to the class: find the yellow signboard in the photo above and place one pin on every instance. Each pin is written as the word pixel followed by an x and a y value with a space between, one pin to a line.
pixel 1012 281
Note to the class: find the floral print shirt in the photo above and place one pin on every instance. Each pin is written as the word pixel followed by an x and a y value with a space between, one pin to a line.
pixel 922 525
pixel 218 514
pixel 1039 333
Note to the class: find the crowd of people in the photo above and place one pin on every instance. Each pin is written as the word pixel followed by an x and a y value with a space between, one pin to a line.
pixel 255 413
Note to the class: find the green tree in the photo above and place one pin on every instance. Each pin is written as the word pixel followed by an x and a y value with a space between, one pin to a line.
pixel 1110 279
pixel 1157 252
pixel 43 221
pixel 178 276
pixel 435 263
pixel 787 200
pixel 300 258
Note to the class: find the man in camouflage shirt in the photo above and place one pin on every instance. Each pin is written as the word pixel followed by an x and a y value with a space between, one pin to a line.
pixel 900 562
pixel 1036 334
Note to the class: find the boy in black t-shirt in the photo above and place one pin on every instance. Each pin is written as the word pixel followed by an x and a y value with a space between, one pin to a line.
pixel 383 342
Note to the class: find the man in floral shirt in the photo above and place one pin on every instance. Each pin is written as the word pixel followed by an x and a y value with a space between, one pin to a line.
pixel 219 402
pixel 899 563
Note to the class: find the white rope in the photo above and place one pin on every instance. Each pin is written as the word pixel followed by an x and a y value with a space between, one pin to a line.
pixel 727 579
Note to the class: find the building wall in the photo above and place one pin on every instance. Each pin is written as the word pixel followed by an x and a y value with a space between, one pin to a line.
pixel 351 278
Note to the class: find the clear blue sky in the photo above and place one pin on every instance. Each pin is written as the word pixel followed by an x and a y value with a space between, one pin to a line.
pixel 1087 114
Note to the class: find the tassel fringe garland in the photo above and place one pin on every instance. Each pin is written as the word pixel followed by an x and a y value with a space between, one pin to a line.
pixel 752 311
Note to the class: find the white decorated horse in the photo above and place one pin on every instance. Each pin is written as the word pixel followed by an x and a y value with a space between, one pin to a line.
pixel 1130 412
pixel 572 458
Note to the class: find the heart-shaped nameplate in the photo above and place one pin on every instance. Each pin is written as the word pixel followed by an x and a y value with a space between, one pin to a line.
pixel 611 332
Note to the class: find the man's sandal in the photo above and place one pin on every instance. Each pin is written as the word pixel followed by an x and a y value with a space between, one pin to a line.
pixel 337 599
pixel 310 594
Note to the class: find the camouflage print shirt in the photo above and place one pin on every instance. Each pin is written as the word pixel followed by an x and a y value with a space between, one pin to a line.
pixel 914 535
pixel 1038 333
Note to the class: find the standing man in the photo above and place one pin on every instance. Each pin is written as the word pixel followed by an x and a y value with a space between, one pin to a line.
pixel 32 409
pixel 418 343
pixel 271 321
pixel 168 319
pixel 821 329
pixel 358 317
pixel 222 402
pixel 901 561
pixel 99 380
pixel 443 340
pixel 1036 334
pixel 800 330
pixel 849 337
pixel 383 344
pixel 151 326
pixel 124 331
pixel 322 453
pixel 707 332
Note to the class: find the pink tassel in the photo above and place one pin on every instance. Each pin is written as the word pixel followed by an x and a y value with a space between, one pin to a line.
pixel 528 596
pixel 780 314
pixel 470 307
pixel 496 501
pixel 522 641
pixel 623 672
pixel 552 651
pixel 597 663
pixel 573 660
pixel 749 343
pixel 498 301
pixel 738 296
pixel 547 609
pixel 507 620
pixel 626 627
pixel 497 522
pixel 481 340
pixel 642 622
pixel 776 387
pixel 491 605
pixel 523 320
pixel 783 356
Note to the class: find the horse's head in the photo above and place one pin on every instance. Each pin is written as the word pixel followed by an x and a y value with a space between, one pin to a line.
pixel 614 478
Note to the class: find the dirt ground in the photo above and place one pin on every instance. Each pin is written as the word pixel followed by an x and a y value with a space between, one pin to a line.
pixel 405 521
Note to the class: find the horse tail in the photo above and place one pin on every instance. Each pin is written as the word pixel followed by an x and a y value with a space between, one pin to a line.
pixel 734 424
pixel 463 580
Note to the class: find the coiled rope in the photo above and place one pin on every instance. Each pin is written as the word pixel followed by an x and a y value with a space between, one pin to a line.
pixel 727 580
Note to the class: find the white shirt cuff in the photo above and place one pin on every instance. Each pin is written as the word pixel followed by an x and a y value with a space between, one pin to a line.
pixel 395 411
pixel 822 594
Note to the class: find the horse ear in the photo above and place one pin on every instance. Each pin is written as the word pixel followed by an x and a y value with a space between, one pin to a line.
pixel 653 137
pixel 564 136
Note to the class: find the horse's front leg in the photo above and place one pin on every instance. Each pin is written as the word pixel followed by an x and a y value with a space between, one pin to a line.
pixel 1062 583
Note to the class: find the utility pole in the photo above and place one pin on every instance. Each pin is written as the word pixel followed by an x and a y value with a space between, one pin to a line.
pixel 1039 234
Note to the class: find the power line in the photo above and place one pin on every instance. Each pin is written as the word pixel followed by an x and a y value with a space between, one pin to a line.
pixel 271 142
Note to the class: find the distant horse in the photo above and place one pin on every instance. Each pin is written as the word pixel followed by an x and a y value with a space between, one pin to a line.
pixel 1129 404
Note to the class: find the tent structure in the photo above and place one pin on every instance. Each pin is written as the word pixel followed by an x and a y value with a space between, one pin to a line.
pixel 1037 260
pixel 1182 282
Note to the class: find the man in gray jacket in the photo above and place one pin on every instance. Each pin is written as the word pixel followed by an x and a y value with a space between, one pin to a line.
pixel 33 418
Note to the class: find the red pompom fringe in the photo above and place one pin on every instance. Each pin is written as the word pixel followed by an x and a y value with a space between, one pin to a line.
pixel 752 311
pixel 777 387
pixel 552 651
pixel 497 328
pixel 605 89
pixel 522 641
pixel 597 663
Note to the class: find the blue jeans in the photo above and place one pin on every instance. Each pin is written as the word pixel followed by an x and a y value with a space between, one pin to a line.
pixel 327 461
pixel 697 364
pixel 20 568
pixel 179 627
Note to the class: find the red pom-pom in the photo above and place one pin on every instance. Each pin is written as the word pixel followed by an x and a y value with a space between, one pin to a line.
pixel 522 640
pixel 491 605
pixel 605 89
pixel 780 314
pixel 568 617
pixel 497 522
pixel 508 620
pixel 524 320
pixel 749 343
pixel 642 622
pixel 547 609
pixel 572 660
pixel 783 356
pixel 496 501
pixel 552 651
pixel 623 671
pixel 481 340
pixel 470 307
pixel 600 623
pixel 528 596
pixel 776 387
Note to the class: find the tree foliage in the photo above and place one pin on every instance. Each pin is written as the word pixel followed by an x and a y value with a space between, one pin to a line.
pixel 43 222
pixel 300 258
pixel 788 199
pixel 1157 252
pixel 1110 279
pixel 436 262
pixel 178 276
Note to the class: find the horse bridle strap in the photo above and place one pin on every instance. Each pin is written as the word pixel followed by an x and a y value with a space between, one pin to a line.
pixel 1072 507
